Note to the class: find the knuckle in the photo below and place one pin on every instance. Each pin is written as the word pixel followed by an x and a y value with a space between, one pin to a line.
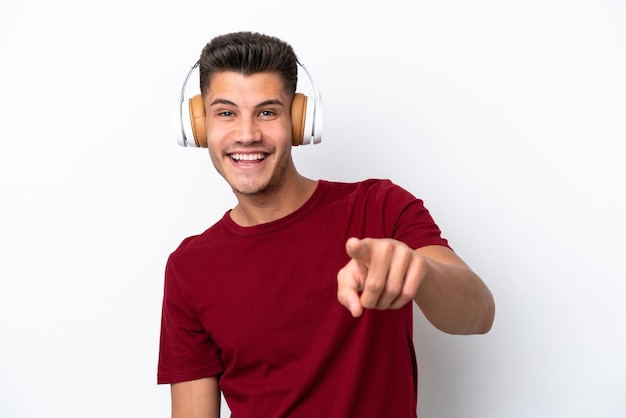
pixel 387 248
pixel 393 290
pixel 407 293
pixel 374 286
pixel 369 303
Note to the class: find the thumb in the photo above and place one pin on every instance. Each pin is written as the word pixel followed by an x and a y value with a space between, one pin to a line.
pixel 354 304
pixel 350 278
pixel 348 292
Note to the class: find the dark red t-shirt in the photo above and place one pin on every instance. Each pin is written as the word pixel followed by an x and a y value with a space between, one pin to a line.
pixel 258 307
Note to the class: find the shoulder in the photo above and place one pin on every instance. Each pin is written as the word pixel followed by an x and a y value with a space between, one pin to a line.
pixel 197 243
pixel 372 188
pixel 370 185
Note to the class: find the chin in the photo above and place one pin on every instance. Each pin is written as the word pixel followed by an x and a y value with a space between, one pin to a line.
pixel 250 188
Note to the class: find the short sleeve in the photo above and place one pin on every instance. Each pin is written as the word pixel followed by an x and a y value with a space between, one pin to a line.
pixel 186 352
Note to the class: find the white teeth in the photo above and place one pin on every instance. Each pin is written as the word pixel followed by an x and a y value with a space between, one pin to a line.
pixel 247 157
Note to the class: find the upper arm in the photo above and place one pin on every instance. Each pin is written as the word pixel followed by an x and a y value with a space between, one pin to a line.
pixel 196 398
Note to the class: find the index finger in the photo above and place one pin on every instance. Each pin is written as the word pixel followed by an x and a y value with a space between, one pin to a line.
pixel 357 250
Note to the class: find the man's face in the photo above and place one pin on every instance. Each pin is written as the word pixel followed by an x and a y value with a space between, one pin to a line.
pixel 249 130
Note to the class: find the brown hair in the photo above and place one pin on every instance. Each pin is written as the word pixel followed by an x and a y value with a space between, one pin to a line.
pixel 249 53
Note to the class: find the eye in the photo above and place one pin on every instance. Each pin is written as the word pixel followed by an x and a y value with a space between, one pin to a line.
pixel 226 114
pixel 268 114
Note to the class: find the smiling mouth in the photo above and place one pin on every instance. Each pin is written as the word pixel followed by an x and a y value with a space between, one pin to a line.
pixel 248 157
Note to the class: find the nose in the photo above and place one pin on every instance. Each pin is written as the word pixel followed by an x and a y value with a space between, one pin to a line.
pixel 249 130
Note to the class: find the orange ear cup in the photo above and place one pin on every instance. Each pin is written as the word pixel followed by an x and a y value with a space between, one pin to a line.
pixel 196 113
pixel 298 115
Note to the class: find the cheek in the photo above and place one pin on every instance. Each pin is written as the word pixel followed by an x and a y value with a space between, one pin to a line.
pixel 216 136
pixel 214 155
pixel 280 131
pixel 216 126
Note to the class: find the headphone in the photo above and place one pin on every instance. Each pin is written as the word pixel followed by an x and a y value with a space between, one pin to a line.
pixel 306 120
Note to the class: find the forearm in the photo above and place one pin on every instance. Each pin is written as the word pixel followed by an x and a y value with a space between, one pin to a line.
pixel 453 298
pixel 196 399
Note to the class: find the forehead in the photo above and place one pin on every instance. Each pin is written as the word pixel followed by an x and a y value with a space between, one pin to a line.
pixel 237 83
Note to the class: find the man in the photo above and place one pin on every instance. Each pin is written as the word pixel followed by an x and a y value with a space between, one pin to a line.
pixel 298 301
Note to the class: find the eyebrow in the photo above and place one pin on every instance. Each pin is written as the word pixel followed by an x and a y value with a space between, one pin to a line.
pixel 263 103
pixel 222 101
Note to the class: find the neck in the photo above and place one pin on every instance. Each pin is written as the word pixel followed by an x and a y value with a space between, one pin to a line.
pixel 263 208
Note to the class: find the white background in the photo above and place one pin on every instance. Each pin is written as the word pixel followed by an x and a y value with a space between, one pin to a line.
pixel 507 118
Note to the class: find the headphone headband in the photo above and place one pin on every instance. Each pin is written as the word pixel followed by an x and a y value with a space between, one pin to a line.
pixel 182 139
